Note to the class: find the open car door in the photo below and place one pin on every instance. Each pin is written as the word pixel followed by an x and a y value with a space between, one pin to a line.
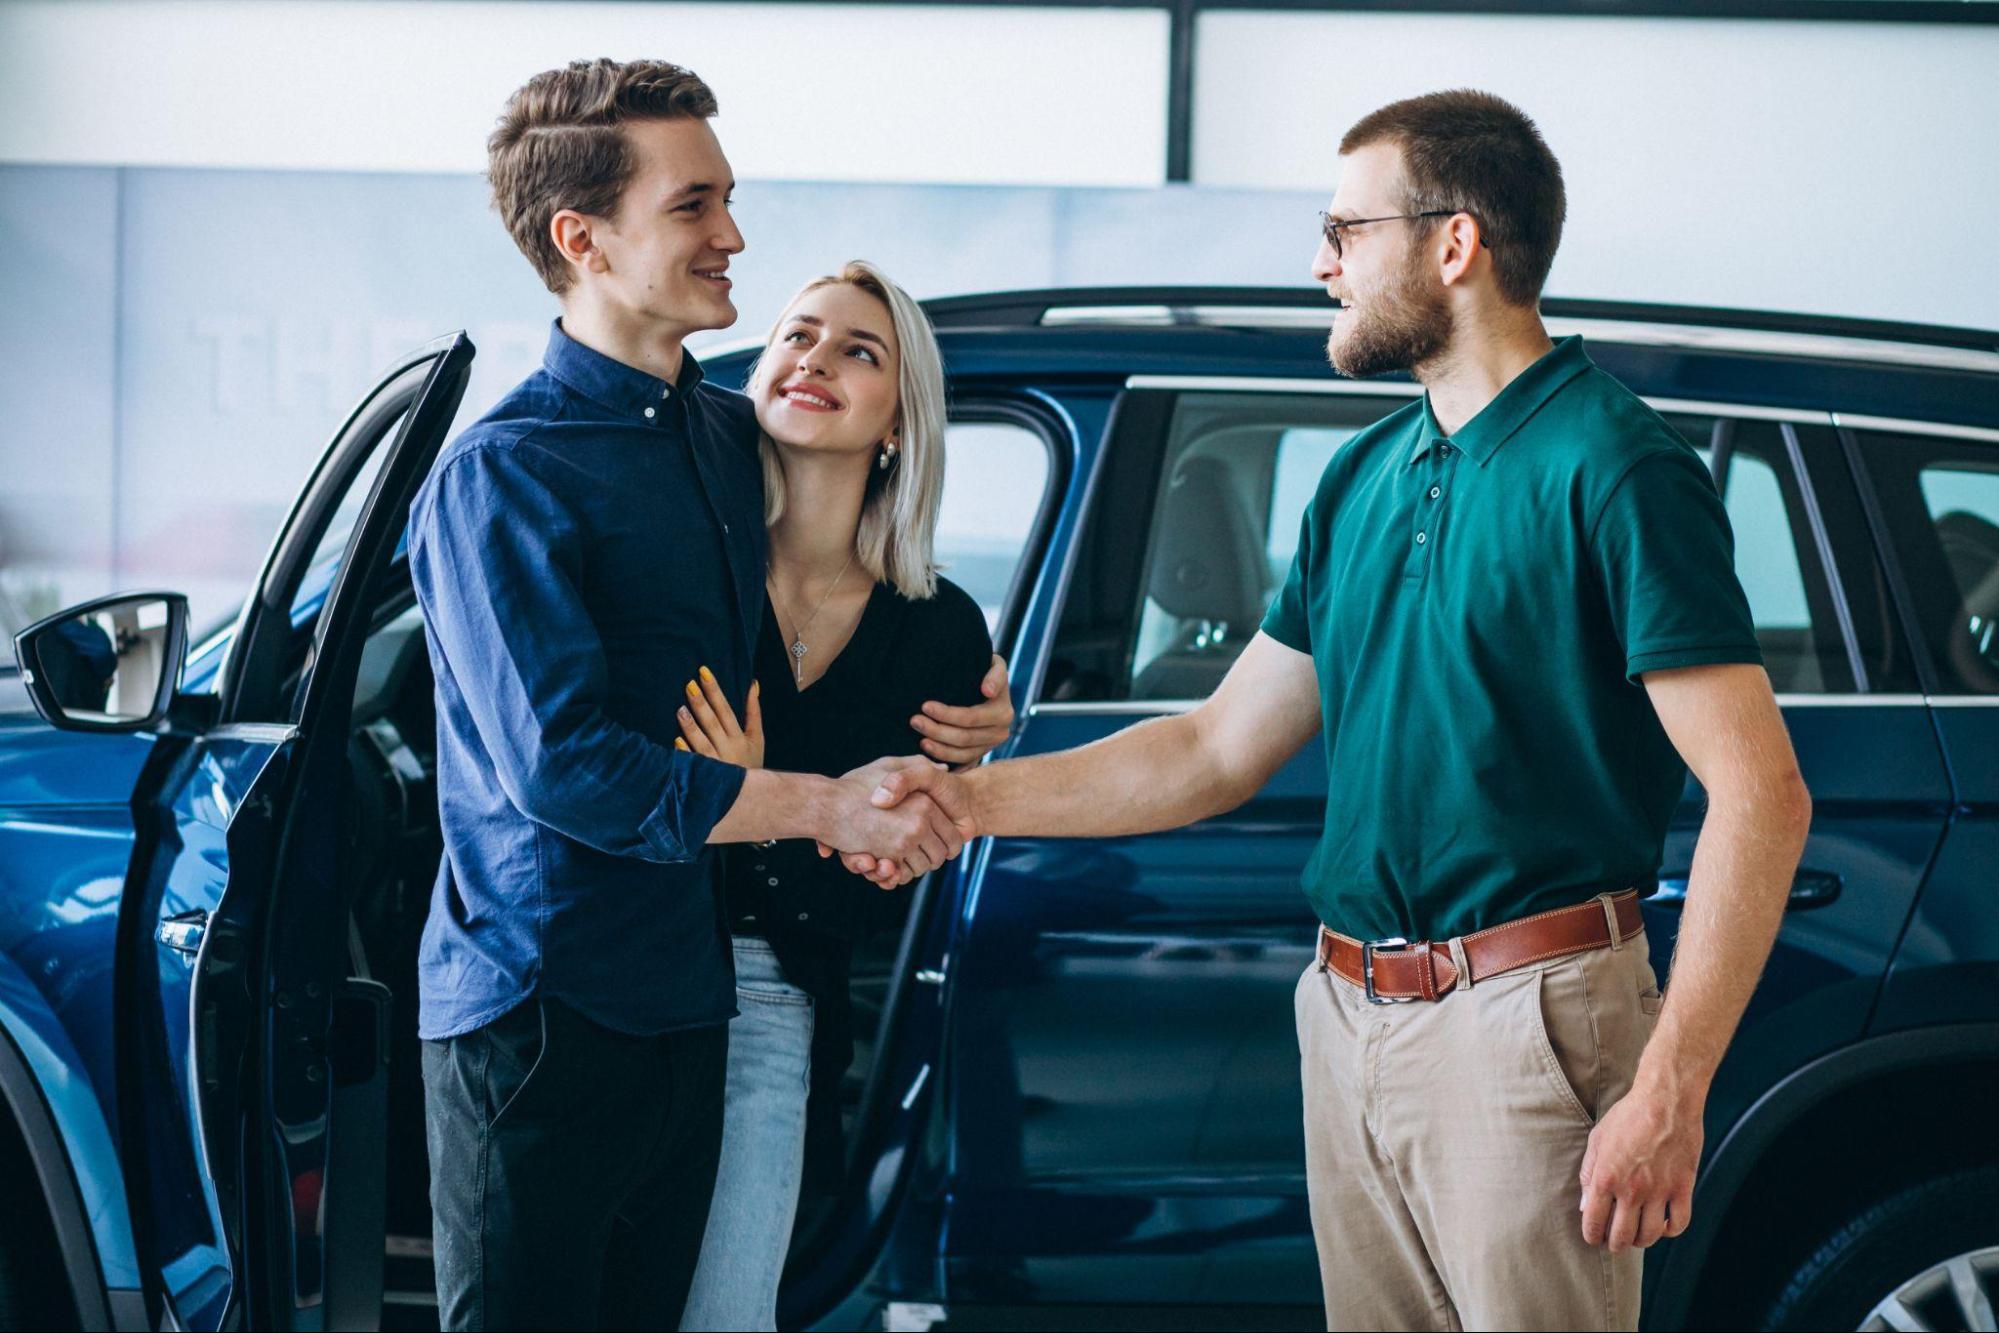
pixel 245 1049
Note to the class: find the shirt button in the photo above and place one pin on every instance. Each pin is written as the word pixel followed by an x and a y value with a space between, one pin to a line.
pixel 1436 491
pixel 725 529
pixel 1422 537
pixel 649 412
pixel 805 916
pixel 761 866
pixel 666 392
pixel 772 881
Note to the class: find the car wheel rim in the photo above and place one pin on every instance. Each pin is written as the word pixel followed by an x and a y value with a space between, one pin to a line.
pixel 1957 1293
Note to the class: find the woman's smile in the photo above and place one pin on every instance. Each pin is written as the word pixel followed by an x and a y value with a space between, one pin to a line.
pixel 809 399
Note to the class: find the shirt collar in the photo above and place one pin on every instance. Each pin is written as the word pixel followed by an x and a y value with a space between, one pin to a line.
pixel 613 384
pixel 1509 410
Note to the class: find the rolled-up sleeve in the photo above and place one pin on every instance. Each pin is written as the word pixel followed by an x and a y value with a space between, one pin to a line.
pixel 1662 548
pixel 497 560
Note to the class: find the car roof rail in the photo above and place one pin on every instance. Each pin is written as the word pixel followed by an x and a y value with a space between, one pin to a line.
pixel 1277 308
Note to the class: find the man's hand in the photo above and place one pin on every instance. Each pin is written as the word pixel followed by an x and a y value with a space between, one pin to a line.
pixel 935 787
pixel 949 790
pixel 959 736
pixel 1638 1171
pixel 903 842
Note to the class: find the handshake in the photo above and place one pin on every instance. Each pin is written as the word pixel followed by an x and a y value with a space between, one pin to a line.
pixel 898 818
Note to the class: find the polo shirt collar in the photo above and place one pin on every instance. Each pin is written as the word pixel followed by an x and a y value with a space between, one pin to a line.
pixel 613 384
pixel 1499 419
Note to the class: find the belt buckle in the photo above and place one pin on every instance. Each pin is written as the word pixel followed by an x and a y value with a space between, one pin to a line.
pixel 1393 944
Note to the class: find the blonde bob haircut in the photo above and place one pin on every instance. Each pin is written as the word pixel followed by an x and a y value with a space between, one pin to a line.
pixel 897 538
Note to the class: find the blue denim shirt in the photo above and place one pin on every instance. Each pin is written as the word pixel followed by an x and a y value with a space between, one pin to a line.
pixel 578 552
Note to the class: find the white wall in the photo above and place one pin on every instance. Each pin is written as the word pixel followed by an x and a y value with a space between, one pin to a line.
pixel 1016 96
pixel 1839 168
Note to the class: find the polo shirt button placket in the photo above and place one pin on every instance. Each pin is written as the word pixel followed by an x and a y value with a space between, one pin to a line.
pixel 1436 491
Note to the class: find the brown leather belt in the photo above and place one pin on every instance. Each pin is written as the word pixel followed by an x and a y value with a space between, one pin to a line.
pixel 1394 971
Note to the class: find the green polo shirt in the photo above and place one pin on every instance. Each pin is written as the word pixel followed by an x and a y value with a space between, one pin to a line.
pixel 1479 609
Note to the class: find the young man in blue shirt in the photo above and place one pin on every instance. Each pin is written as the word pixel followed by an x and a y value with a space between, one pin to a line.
pixel 578 552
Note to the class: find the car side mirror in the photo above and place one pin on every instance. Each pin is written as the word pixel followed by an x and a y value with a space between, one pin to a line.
pixel 108 665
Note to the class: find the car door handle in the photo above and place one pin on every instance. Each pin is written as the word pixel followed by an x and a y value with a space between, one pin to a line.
pixel 1809 889
pixel 182 932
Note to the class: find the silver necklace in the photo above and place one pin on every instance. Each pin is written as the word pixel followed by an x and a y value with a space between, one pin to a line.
pixel 798 646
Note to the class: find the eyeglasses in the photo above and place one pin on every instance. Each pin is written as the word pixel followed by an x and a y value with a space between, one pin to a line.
pixel 1333 229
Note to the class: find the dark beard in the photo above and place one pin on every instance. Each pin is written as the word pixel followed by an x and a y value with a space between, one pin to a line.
pixel 1405 326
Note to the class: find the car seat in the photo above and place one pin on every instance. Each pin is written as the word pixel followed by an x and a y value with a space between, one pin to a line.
pixel 1207 570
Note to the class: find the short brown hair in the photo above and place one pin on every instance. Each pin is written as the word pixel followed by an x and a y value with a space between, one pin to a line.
pixel 560 145
pixel 1468 151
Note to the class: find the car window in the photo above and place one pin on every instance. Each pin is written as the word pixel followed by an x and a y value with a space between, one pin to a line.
pixel 1963 504
pixel 275 655
pixel 1302 455
pixel 1224 536
pixel 1777 559
pixel 1940 496
pixel 1233 476
pixel 995 476
pixel 1192 531
pixel 332 546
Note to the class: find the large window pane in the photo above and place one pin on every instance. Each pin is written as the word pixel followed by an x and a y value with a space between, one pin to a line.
pixel 1221 522
pixel 995 474
pixel 1963 503
pixel 1777 560
pixel 1192 532
pixel 1940 499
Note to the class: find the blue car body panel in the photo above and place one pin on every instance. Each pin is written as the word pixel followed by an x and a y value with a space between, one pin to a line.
pixel 188 1239
pixel 65 847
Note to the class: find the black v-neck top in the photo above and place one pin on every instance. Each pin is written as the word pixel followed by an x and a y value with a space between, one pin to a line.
pixel 902 653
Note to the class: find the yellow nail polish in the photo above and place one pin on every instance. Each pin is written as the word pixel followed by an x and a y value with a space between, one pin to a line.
pixel 679 744
pixel 693 690
pixel 707 675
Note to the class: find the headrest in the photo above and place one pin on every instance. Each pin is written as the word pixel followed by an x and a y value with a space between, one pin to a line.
pixel 1971 544
pixel 1208 564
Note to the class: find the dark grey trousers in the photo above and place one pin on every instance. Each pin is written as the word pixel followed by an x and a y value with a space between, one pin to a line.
pixel 571 1168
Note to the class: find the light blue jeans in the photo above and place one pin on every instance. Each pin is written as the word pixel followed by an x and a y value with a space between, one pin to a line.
pixel 763 1150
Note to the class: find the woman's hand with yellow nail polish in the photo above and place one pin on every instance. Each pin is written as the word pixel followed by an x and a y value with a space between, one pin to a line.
pixel 709 724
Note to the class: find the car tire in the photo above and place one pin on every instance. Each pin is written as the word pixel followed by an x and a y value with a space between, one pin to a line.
pixel 1898 1247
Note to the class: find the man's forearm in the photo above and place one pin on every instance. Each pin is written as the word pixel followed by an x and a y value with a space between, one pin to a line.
pixel 1155 775
pixel 1743 867
pixel 779 805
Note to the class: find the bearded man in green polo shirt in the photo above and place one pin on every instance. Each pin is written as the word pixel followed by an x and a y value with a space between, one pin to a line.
pixel 1514 617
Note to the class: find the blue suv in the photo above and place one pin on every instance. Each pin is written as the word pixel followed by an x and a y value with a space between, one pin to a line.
pixel 1077 1102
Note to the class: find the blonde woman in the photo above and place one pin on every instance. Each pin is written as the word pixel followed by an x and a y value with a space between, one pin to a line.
pixel 860 639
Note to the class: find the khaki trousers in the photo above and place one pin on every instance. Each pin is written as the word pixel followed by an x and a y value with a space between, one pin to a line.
pixel 1444 1140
